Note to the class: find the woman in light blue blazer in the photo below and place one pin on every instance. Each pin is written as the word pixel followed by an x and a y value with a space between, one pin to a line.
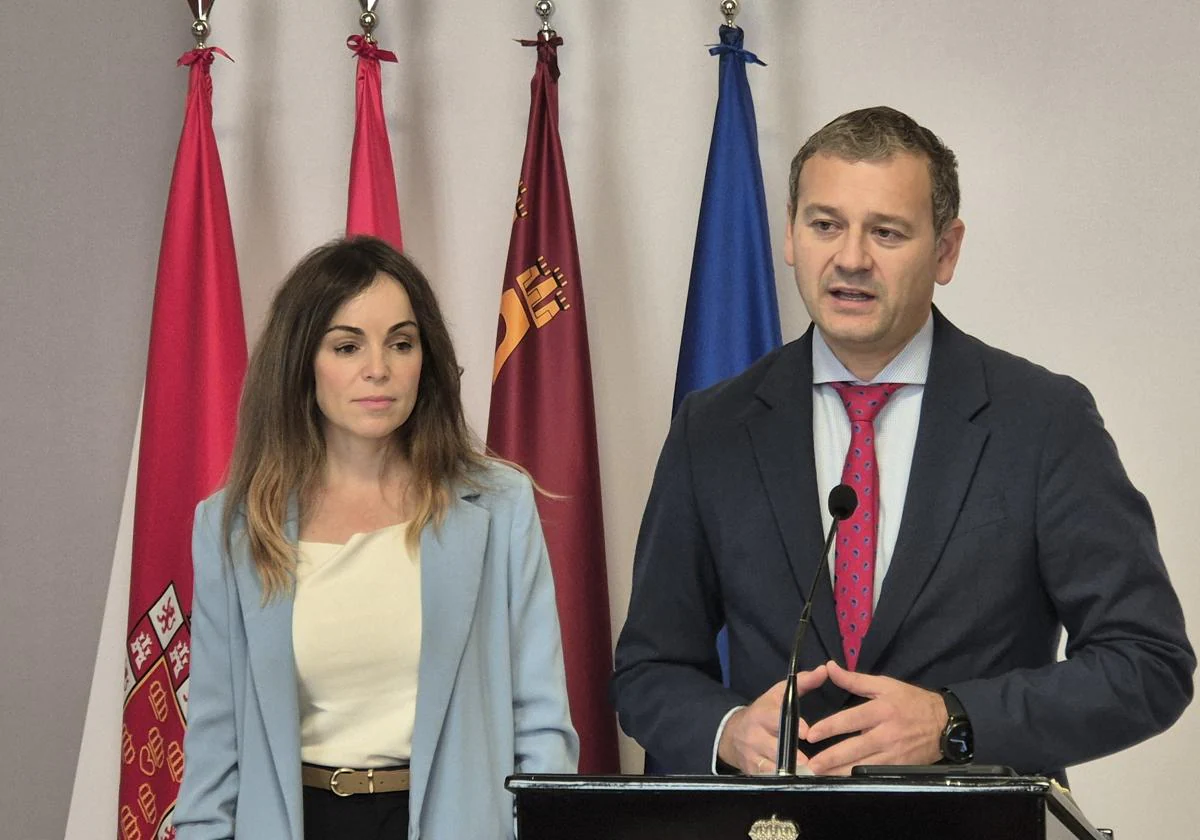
pixel 369 589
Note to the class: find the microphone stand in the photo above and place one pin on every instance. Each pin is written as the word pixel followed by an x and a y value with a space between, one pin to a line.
pixel 842 502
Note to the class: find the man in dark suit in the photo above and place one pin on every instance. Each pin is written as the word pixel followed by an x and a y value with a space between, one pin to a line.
pixel 997 515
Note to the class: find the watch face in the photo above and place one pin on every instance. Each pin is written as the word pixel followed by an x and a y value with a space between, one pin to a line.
pixel 958 743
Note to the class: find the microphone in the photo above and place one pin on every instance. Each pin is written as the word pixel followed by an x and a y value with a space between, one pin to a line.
pixel 842 502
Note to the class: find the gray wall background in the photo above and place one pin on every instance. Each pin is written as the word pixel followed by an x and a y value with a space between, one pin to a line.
pixel 1075 121
pixel 90 112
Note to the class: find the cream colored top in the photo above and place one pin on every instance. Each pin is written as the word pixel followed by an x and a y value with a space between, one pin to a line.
pixel 356 630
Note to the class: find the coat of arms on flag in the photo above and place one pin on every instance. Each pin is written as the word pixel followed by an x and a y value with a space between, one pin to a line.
pixel 157 659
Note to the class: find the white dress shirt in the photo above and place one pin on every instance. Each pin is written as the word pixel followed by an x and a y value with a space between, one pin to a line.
pixel 895 435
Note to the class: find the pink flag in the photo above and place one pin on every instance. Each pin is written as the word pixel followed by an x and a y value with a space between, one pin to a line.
pixel 194 376
pixel 373 208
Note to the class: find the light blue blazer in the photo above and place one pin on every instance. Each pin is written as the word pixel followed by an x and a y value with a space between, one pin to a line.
pixel 491 692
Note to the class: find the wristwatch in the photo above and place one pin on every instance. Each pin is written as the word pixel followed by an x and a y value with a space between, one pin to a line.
pixel 958 739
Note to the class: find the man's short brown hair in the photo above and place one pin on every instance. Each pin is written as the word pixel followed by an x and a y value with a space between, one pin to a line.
pixel 877 134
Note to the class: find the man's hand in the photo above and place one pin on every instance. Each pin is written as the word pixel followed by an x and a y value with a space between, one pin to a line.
pixel 899 724
pixel 750 739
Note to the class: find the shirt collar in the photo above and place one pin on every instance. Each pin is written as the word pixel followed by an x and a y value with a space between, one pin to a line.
pixel 910 367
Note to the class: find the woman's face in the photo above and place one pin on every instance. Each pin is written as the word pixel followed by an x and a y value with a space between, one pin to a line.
pixel 368 365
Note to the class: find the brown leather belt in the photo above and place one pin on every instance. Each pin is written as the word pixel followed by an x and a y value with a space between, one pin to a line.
pixel 346 782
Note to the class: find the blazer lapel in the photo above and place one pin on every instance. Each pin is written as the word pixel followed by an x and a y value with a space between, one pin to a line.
pixel 947 452
pixel 781 436
pixel 452 557
pixel 273 673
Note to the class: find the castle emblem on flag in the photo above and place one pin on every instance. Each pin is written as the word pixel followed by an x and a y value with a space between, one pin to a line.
pixel 535 298
pixel 521 210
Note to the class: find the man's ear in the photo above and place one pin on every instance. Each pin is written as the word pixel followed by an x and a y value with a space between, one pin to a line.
pixel 949 246
pixel 789 250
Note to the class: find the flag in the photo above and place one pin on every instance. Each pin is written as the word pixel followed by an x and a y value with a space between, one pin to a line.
pixel 373 208
pixel 732 315
pixel 194 373
pixel 543 415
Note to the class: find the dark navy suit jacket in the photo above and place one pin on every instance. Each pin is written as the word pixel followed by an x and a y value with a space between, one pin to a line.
pixel 1019 521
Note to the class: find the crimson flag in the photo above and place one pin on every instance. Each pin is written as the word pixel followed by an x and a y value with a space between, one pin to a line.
pixel 194 373
pixel 542 413
pixel 373 208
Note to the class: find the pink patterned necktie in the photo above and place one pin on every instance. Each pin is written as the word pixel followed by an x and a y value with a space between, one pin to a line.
pixel 854 584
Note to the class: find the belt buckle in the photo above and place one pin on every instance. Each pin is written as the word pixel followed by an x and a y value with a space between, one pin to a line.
pixel 333 781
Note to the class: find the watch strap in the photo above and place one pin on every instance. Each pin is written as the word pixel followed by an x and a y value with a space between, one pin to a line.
pixel 957 723
pixel 954 708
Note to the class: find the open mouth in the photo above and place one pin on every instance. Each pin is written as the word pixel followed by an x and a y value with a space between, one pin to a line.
pixel 851 295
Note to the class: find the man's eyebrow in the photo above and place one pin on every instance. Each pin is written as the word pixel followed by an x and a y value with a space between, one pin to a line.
pixel 811 210
pixel 890 221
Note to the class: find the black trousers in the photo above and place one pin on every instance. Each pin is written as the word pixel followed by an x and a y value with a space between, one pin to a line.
pixel 364 816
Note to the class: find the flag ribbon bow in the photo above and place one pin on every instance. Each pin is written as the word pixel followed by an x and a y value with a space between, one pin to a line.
pixel 731 42
pixel 368 49
pixel 203 55
pixel 547 48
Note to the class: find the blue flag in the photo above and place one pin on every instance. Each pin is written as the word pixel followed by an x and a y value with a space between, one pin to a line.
pixel 732 315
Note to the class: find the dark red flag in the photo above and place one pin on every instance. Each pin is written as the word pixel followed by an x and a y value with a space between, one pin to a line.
pixel 373 208
pixel 194 375
pixel 543 416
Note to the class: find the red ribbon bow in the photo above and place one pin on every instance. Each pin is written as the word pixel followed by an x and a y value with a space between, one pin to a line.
pixel 368 49
pixel 547 47
pixel 204 56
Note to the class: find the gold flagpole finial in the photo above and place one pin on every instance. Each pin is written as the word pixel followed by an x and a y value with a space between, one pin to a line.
pixel 200 28
pixel 730 9
pixel 368 19
pixel 544 9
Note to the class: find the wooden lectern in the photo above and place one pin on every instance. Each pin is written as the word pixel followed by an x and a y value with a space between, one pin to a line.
pixel 924 807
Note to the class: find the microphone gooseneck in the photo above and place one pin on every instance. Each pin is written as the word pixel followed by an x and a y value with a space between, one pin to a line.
pixel 842 502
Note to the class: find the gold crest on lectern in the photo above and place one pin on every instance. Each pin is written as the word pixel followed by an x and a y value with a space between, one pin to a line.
pixel 774 829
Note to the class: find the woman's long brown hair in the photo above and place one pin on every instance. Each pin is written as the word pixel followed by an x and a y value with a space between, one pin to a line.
pixel 279 453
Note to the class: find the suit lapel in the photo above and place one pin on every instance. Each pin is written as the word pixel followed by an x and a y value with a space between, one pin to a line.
pixel 781 436
pixel 452 557
pixel 946 454
pixel 273 672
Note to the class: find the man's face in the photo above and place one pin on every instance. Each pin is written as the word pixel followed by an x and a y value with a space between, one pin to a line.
pixel 865 254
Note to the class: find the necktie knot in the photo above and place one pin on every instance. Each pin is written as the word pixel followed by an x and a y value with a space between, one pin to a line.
pixel 863 402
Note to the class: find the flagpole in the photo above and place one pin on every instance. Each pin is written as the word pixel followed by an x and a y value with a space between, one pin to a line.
pixel 200 28
pixel 544 9
pixel 367 20
pixel 730 9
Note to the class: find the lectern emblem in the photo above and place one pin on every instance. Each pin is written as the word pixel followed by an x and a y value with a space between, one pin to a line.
pixel 774 829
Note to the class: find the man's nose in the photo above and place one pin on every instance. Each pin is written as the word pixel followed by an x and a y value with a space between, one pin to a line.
pixel 853 257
